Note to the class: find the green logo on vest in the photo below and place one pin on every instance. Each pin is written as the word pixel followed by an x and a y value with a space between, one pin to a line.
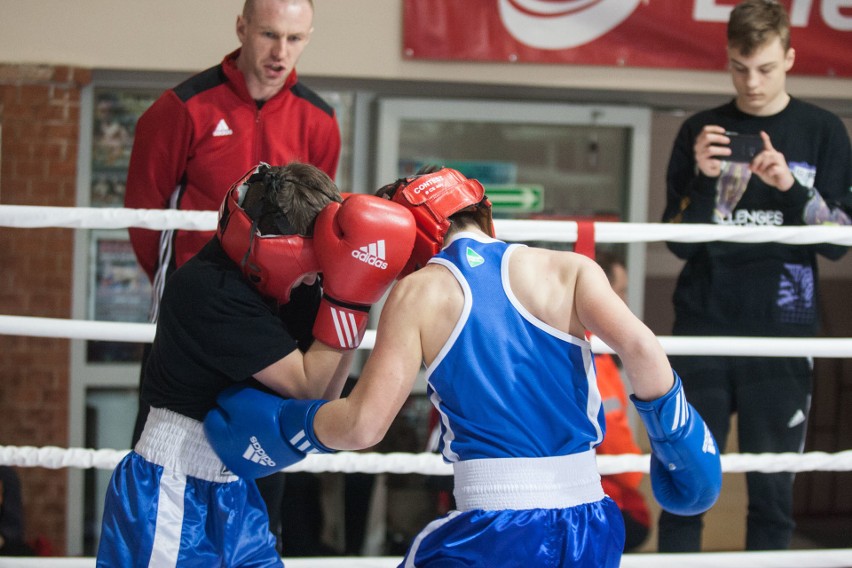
pixel 473 258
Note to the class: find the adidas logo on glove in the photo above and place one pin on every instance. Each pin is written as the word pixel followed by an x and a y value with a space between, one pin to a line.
pixel 373 254
pixel 255 453
pixel 709 445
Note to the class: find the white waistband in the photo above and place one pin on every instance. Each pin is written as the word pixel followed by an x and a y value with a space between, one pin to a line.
pixel 527 483
pixel 178 443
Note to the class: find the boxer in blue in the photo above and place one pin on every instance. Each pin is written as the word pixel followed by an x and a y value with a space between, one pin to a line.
pixel 246 310
pixel 501 330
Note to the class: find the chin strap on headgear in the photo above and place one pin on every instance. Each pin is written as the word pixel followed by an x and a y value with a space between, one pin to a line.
pixel 433 198
pixel 273 263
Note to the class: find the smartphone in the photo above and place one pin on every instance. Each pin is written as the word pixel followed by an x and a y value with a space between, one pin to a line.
pixel 744 147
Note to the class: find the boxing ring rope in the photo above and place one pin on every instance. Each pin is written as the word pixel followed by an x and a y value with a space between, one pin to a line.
pixel 426 463
pixel 30 217
pixel 680 345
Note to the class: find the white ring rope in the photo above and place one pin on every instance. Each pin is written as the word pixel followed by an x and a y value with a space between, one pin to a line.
pixel 33 217
pixel 53 457
pixel 673 345
pixel 513 230
pixel 29 217
pixel 811 558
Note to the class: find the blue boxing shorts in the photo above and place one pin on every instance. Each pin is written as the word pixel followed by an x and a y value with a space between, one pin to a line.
pixel 171 502
pixel 524 512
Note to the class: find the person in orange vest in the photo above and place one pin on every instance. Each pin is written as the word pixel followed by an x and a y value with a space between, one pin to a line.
pixel 622 487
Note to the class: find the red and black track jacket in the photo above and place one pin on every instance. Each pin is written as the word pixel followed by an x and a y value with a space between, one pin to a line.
pixel 201 136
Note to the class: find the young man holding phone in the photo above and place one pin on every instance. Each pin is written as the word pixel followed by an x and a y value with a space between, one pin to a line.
pixel 800 176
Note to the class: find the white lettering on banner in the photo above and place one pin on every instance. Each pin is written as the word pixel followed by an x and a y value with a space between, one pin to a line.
pixel 709 11
pixel 800 13
pixel 561 24
pixel 830 11
pixel 800 10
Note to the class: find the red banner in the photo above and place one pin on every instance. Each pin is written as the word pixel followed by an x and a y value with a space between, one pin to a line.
pixel 684 34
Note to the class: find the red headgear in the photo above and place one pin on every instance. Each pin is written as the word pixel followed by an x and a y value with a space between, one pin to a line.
pixel 271 262
pixel 433 198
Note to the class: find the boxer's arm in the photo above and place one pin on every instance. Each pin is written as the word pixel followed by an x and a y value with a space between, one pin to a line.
pixel 686 472
pixel 320 372
pixel 361 419
pixel 602 312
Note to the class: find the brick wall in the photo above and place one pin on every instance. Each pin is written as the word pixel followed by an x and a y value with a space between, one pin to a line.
pixel 40 116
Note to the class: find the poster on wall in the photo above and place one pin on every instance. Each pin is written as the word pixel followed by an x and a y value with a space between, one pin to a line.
pixel 113 126
pixel 681 34
pixel 119 290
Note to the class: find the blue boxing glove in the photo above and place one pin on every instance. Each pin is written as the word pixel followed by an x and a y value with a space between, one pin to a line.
pixel 686 469
pixel 255 433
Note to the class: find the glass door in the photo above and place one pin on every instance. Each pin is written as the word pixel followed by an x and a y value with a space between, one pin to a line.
pixel 536 160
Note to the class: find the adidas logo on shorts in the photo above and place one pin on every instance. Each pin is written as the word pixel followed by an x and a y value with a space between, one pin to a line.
pixel 373 254
pixel 255 453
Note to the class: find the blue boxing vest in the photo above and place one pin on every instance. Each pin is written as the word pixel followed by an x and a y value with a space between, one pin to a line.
pixel 506 384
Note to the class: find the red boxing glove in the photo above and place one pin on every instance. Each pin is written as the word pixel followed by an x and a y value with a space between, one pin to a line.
pixel 361 245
